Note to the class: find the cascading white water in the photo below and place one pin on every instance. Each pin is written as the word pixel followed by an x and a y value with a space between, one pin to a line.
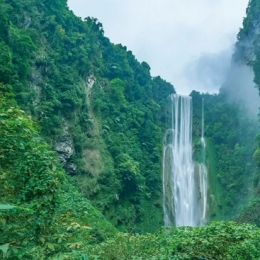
pixel 179 195
pixel 203 192
pixel 203 174
pixel 184 189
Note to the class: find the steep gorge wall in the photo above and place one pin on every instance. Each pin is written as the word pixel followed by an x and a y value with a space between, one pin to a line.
pixel 231 125
pixel 230 146
pixel 249 46
pixel 96 105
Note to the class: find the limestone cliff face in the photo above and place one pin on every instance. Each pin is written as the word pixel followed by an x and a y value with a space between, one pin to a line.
pixel 64 148
pixel 64 143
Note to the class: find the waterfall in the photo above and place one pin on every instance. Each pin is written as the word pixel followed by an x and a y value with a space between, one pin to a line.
pixel 184 190
pixel 203 173
pixel 179 196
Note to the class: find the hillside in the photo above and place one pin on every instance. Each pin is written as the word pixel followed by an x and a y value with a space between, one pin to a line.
pixel 97 106
pixel 81 127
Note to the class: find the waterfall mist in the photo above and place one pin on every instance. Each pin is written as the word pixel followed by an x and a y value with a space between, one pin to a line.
pixel 240 88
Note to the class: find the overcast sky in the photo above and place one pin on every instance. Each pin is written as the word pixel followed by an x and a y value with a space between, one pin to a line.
pixel 186 42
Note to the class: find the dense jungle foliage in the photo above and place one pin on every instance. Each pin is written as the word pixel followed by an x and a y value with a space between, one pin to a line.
pixel 51 220
pixel 46 218
pixel 250 54
pixel 81 126
pixel 93 98
pixel 230 143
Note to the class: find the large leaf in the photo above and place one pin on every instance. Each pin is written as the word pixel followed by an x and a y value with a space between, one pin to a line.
pixel 4 248
pixel 6 206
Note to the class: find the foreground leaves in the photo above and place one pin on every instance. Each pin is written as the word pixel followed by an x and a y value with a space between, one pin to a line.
pixel 216 241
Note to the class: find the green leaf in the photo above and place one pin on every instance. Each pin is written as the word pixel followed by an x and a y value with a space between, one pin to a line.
pixel 42 239
pixel 50 246
pixel 6 207
pixel 3 221
pixel 4 248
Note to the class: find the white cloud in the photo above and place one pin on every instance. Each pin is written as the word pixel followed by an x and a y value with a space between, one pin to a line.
pixel 168 34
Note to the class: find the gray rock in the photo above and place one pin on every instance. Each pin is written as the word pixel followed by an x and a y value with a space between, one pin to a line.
pixel 64 149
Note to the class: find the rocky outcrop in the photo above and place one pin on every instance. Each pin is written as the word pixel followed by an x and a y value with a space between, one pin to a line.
pixel 64 149
pixel 90 81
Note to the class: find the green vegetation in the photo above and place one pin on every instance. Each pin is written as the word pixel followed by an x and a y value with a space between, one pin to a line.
pixel 47 218
pixel 65 88
pixel 96 105
pixel 52 220
pixel 251 56
pixel 217 241
pixel 230 135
